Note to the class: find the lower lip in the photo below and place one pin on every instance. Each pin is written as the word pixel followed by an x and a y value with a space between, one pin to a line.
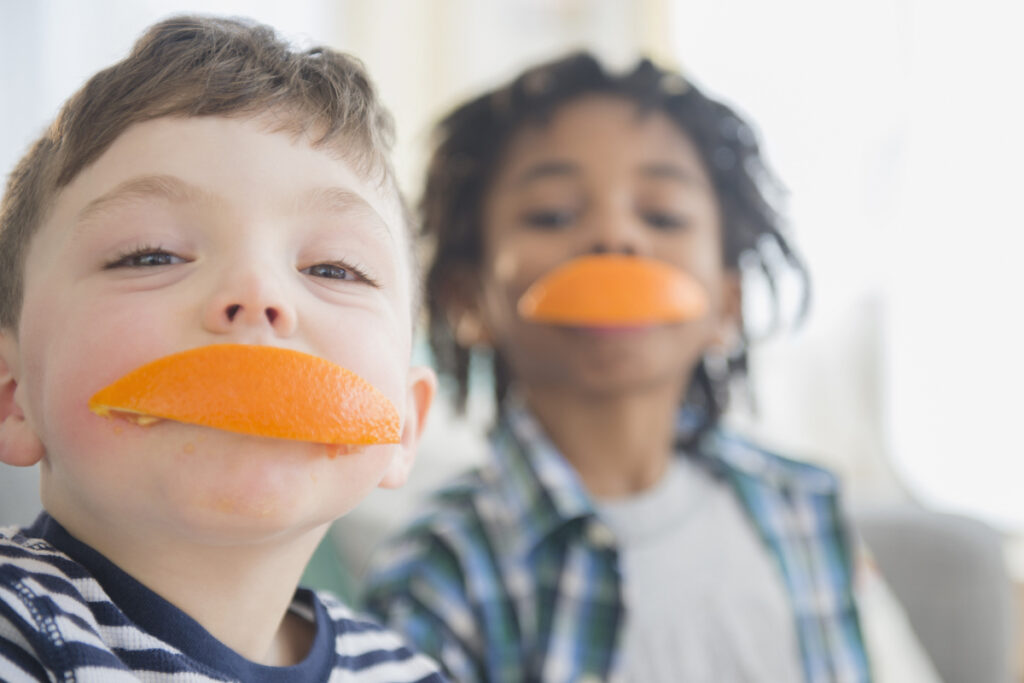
pixel 617 331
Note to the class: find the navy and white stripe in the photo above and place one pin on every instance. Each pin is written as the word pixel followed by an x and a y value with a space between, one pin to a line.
pixel 67 614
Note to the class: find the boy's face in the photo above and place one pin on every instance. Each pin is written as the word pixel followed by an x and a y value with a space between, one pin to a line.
pixel 197 231
pixel 600 177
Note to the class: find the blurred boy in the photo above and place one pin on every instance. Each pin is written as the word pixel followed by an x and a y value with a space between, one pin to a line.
pixel 589 231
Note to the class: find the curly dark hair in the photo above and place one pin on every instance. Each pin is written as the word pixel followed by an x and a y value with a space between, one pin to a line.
pixel 471 145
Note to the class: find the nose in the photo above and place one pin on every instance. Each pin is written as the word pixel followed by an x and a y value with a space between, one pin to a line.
pixel 617 230
pixel 247 300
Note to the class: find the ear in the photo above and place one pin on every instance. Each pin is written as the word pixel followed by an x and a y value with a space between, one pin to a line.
pixel 460 296
pixel 730 311
pixel 19 444
pixel 419 397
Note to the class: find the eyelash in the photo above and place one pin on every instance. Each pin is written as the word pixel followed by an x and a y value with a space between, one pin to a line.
pixel 549 219
pixel 665 220
pixel 554 220
pixel 128 259
pixel 359 273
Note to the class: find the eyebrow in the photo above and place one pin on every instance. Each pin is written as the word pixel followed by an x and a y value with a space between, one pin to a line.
pixel 558 168
pixel 547 169
pixel 176 191
pixel 337 200
pixel 164 187
pixel 670 171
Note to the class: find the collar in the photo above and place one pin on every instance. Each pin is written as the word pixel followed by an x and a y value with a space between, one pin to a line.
pixel 740 460
pixel 542 493
pixel 166 622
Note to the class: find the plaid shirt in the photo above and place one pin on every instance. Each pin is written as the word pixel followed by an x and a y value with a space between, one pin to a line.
pixel 509 575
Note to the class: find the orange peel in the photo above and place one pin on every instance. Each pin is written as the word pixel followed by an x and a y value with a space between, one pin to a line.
pixel 258 390
pixel 609 290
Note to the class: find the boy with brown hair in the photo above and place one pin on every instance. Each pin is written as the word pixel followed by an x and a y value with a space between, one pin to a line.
pixel 216 211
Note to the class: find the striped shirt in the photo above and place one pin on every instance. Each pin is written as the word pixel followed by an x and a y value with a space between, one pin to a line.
pixel 510 575
pixel 68 614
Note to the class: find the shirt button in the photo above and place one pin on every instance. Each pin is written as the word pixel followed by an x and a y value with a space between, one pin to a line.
pixel 600 536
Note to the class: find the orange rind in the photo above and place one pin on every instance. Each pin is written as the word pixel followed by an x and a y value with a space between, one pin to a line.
pixel 609 290
pixel 257 390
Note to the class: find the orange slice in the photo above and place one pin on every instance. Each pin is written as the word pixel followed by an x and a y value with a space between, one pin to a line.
pixel 614 291
pixel 258 390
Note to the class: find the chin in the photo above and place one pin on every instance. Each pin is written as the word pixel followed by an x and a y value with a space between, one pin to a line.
pixel 247 502
pixel 229 519
pixel 634 384
pixel 261 495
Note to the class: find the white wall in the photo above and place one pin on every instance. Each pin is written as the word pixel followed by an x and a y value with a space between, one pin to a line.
pixel 955 375
pixel 896 125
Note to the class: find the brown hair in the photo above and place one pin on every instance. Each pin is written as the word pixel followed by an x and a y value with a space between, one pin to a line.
pixel 471 145
pixel 192 66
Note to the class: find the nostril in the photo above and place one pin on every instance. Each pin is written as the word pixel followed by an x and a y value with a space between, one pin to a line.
pixel 232 311
pixel 271 315
pixel 626 249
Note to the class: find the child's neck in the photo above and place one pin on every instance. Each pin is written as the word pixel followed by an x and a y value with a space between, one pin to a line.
pixel 620 445
pixel 239 593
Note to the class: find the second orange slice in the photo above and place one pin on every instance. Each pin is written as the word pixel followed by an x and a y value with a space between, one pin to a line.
pixel 613 290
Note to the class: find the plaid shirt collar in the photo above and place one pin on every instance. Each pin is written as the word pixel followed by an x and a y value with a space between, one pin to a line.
pixel 543 492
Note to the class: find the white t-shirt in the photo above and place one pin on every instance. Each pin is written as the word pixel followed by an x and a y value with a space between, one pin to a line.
pixel 705 601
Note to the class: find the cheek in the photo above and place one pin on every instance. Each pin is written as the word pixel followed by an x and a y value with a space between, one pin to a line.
pixel 343 480
pixel 506 277
pixel 375 348
pixel 74 350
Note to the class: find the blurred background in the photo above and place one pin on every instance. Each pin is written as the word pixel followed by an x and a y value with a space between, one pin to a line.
pixel 896 126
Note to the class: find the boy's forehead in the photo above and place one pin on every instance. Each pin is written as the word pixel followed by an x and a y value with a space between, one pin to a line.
pixel 172 189
pixel 176 159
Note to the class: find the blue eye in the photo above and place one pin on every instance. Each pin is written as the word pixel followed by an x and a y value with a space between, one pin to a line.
pixel 145 257
pixel 332 271
pixel 339 271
